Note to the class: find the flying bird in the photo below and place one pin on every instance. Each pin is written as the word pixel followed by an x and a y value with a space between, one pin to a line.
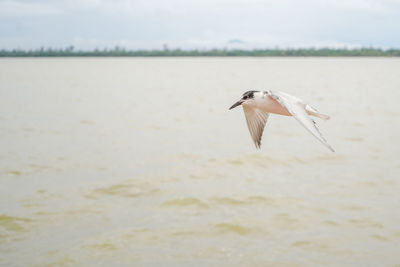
pixel 257 105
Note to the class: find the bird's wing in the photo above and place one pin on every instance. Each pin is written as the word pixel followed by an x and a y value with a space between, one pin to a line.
pixel 256 120
pixel 296 107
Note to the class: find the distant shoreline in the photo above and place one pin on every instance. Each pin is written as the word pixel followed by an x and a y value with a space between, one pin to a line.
pixel 121 52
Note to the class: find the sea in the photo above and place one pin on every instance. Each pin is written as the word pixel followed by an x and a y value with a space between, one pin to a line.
pixel 139 162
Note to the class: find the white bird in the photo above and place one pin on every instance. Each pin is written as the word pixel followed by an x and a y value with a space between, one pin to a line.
pixel 258 105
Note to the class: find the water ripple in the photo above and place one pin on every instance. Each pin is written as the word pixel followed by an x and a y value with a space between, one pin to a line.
pixel 183 202
pixel 130 190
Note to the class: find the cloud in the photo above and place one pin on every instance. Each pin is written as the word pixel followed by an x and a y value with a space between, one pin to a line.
pixel 10 8
pixel 199 23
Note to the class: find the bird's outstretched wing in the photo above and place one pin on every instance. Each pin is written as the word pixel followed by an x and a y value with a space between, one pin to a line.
pixel 296 107
pixel 256 120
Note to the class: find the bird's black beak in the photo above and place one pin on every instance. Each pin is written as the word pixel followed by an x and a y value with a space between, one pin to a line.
pixel 236 104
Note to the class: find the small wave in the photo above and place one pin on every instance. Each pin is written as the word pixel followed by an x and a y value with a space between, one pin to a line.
pixel 235 161
pixel 354 207
pixel 224 228
pixel 237 202
pixel 268 161
pixel 301 243
pixel 185 233
pixel 313 245
pixel 131 190
pixel 44 213
pixel 14 173
pixel 331 223
pixel 380 237
pixel 365 222
pixel 102 246
pixel 182 202
pixel 12 223
pixel 229 201
pixel 87 122
pixel 253 159
pixel 285 221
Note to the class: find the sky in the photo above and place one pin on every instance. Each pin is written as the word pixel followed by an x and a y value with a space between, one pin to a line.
pixel 199 24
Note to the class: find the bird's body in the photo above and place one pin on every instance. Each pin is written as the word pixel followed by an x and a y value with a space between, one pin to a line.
pixel 257 105
pixel 265 102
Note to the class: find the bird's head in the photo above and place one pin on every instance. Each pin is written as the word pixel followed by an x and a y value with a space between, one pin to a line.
pixel 246 98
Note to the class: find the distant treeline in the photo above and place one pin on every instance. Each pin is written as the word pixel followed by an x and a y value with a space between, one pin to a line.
pixel 121 52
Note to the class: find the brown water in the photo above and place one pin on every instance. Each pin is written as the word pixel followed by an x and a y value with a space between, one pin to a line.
pixel 138 162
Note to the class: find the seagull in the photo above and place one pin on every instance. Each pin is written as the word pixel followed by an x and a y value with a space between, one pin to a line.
pixel 257 105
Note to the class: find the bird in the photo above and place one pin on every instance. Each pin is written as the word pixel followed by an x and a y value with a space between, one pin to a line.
pixel 257 105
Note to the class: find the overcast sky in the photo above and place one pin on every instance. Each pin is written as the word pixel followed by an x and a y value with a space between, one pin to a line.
pixel 148 24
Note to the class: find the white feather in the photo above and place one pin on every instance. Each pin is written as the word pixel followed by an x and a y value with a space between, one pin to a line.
pixel 256 120
pixel 297 108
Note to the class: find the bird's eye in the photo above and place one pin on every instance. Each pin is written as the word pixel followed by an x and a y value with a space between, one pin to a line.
pixel 245 97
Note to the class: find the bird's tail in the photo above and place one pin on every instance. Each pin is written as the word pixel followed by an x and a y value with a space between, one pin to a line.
pixel 320 115
pixel 314 112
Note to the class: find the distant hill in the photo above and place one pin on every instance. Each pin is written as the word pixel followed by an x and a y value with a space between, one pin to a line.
pixel 236 41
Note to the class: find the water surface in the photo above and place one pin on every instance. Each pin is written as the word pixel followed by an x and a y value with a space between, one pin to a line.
pixel 137 161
